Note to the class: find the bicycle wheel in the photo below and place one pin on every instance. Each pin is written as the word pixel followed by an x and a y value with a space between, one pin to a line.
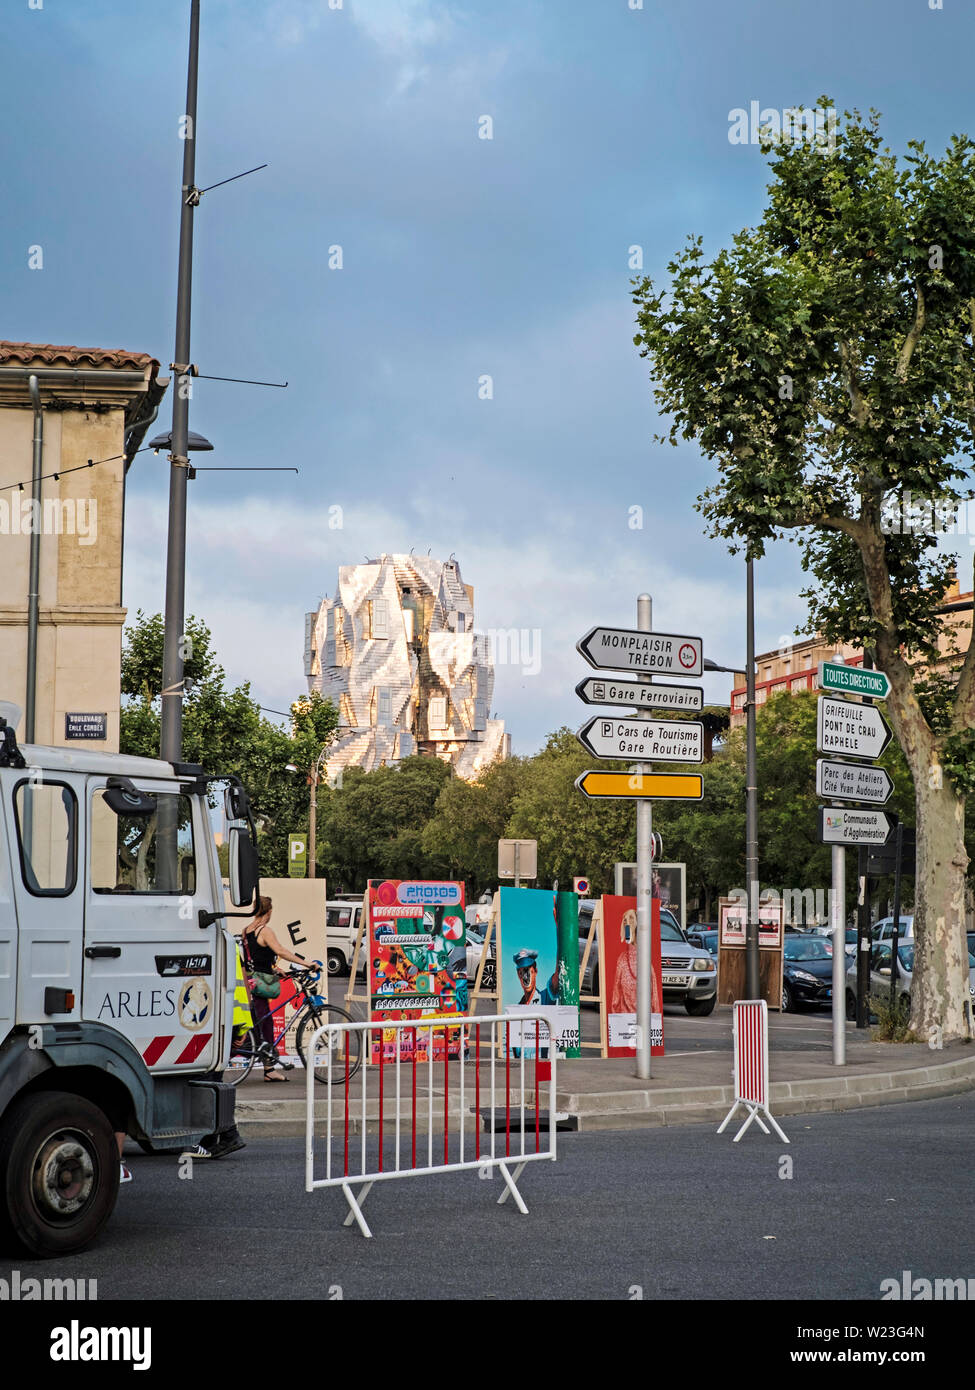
pixel 310 1023
pixel 243 1055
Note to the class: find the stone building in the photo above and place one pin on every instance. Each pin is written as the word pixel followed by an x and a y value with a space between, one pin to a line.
pixel 89 404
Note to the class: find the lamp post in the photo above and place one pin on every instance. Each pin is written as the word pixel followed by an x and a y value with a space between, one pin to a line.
pixel 313 776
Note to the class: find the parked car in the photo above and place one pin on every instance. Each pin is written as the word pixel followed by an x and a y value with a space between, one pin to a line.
pixel 884 929
pixel 706 937
pixel 880 964
pixel 807 972
pixel 689 977
pixel 341 926
pixel 475 949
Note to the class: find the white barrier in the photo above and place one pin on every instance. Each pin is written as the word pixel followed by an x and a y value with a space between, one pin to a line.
pixel 750 1021
pixel 487 1094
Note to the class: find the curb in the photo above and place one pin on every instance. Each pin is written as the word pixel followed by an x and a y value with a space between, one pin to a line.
pixel 649 1108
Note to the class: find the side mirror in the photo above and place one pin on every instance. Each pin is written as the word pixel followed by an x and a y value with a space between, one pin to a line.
pixel 243 866
pixel 236 802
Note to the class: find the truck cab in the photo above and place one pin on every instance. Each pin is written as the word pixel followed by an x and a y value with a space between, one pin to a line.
pixel 117 976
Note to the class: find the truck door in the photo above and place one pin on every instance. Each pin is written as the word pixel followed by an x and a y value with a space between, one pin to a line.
pixel 8 933
pixel 150 971
pixel 45 823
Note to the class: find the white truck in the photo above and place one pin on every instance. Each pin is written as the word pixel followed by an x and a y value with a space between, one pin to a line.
pixel 116 976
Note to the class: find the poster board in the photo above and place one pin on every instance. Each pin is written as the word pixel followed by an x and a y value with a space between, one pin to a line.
pixel 668 885
pixel 298 921
pixel 537 933
pixel 618 977
pixel 732 922
pixel 417 964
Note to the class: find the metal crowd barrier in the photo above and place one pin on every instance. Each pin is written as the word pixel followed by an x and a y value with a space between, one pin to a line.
pixel 515 1133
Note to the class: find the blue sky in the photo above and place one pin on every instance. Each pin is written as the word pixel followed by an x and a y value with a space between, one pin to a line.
pixel 462 257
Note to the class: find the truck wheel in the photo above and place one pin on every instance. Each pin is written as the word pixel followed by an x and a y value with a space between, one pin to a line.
pixel 334 963
pixel 59 1173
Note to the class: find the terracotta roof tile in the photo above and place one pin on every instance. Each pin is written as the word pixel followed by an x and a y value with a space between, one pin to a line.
pixel 13 354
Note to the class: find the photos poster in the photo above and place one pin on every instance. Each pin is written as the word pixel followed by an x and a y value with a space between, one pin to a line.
pixel 618 975
pixel 538 950
pixel 417 964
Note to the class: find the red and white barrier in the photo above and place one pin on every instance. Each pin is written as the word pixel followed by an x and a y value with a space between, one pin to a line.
pixel 399 1112
pixel 750 1021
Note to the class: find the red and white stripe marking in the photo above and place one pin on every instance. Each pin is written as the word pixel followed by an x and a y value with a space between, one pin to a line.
pixel 751 1051
pixel 168 1050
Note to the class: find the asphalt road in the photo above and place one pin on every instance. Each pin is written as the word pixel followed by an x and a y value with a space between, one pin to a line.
pixel 675 1213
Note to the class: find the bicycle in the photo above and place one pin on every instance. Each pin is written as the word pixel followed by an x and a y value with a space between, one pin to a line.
pixel 315 1012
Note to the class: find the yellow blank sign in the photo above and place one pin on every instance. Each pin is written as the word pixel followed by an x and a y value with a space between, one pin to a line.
pixel 650 786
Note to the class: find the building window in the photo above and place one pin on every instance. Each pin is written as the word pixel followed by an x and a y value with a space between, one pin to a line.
pixel 380 618
pixel 437 716
pixel 384 706
pixel 461 622
pixel 807 661
pixel 768 673
pixel 346 712
pixel 480 714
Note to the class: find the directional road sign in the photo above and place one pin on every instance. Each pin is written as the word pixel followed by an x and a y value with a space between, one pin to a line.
pixel 653 786
pixel 627 649
pixel 600 690
pixel 836 676
pixel 649 740
pixel 853 827
pixel 859 731
pixel 853 782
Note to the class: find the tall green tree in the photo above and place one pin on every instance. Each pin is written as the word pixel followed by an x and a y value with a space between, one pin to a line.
pixel 824 362
pixel 373 823
pixel 224 730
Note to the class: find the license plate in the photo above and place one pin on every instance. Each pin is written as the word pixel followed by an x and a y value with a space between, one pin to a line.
pixel 677 979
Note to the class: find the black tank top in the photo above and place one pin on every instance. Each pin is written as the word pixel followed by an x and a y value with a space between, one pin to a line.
pixel 262 956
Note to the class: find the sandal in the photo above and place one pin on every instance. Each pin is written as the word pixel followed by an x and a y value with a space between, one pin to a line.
pixel 274 1076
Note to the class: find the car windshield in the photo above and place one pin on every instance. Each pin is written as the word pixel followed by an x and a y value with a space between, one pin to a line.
pixel 475 936
pixel 905 954
pixel 810 948
pixel 669 930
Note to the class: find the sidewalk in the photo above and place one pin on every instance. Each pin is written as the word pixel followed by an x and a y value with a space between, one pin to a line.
pixel 690 1084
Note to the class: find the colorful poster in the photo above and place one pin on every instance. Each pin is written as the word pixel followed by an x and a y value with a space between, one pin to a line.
pixel 538 947
pixel 618 973
pixel 417 964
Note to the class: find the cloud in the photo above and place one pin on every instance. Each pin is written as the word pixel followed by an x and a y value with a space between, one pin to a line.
pixel 256 566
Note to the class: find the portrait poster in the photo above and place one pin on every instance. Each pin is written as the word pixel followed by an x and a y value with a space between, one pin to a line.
pixel 538 950
pixel 618 974
pixel 417 945
pixel 669 888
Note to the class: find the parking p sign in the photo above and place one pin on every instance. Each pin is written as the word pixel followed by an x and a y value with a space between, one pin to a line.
pixel 297 856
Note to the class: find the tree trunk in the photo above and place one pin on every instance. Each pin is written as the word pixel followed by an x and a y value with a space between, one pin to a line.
pixel 940 994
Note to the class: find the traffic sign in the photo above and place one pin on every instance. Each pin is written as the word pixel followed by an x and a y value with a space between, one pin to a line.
pixel 853 827
pixel 595 690
pixel 836 676
pixel 649 740
pixel 859 731
pixel 853 782
pixel 650 786
pixel 628 649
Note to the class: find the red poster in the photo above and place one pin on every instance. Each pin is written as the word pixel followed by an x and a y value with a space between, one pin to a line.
pixel 618 974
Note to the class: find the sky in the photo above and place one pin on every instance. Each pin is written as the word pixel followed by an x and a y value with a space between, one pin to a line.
pixel 462 258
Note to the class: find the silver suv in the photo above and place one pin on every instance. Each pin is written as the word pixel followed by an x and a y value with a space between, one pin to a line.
pixel 690 974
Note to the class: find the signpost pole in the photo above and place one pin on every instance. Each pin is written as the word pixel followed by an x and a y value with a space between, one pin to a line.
pixel 752 985
pixel 895 934
pixel 517 865
pixel 644 886
pixel 838 924
pixel 863 917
